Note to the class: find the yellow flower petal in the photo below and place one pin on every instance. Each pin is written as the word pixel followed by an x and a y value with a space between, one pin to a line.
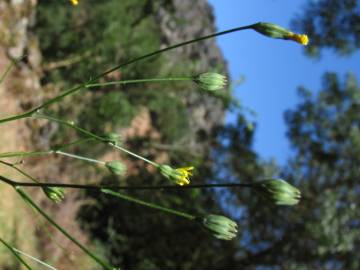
pixel 302 39
pixel 74 2
pixel 178 176
pixel 184 175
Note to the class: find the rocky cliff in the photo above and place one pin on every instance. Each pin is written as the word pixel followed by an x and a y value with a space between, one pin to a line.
pixel 181 20
pixel 22 89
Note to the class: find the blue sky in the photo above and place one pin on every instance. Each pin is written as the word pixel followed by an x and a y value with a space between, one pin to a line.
pixel 273 69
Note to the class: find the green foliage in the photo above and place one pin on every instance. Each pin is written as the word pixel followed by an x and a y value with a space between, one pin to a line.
pixel 236 141
pixel 331 24
pixel 326 129
pixel 170 116
pixel 95 44
pixel 323 132
pixel 104 33
pixel 111 108
pixel 322 232
pixel 82 46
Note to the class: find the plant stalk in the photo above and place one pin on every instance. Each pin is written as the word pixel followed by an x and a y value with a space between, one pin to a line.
pixel 27 199
pixel 15 254
pixel 94 79
pixel 149 205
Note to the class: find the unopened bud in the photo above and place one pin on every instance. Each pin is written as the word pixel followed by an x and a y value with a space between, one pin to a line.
pixel 113 138
pixel 220 227
pixel 116 167
pixel 211 81
pixel 278 191
pixel 276 31
pixel 56 194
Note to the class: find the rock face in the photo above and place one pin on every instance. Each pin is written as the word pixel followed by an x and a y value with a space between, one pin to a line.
pixel 19 91
pixel 182 20
pixel 22 79
pixel 179 20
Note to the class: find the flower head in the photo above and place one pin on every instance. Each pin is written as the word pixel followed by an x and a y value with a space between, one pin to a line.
pixel 74 2
pixel 179 176
pixel 278 191
pixel 220 227
pixel 302 39
pixel 210 81
pixel 113 138
pixel 116 167
pixel 276 31
pixel 56 194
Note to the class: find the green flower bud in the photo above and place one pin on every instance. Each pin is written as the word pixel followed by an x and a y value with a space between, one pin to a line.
pixel 116 167
pixel 56 194
pixel 210 81
pixel 113 138
pixel 276 31
pixel 180 176
pixel 278 191
pixel 220 227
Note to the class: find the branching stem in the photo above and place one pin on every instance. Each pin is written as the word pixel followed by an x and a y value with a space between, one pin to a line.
pixel 94 79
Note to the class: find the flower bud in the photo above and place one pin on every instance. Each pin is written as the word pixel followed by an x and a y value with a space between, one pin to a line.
pixel 116 167
pixel 276 31
pixel 220 227
pixel 113 138
pixel 180 176
pixel 211 81
pixel 56 194
pixel 278 191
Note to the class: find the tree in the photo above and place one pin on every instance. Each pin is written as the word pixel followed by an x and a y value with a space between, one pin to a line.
pixel 331 24
pixel 323 231
pixel 325 134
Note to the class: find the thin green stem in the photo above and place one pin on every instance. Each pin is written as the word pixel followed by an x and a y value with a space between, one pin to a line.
pixel 41 225
pixel 16 117
pixel 80 157
pixel 34 153
pixel 45 104
pixel 15 254
pixel 94 136
pixel 76 142
pixel 25 154
pixel 133 154
pixel 19 170
pixel 8 68
pixel 70 124
pixel 154 53
pixel 56 149
pixel 117 187
pixel 139 81
pixel 34 259
pixel 147 204
pixel 27 199
pixel 94 79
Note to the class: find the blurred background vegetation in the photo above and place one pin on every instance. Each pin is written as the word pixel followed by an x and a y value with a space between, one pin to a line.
pixel 176 123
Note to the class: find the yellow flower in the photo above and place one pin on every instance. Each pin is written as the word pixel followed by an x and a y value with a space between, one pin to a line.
pixel 184 175
pixel 276 31
pixel 179 176
pixel 74 2
pixel 302 39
